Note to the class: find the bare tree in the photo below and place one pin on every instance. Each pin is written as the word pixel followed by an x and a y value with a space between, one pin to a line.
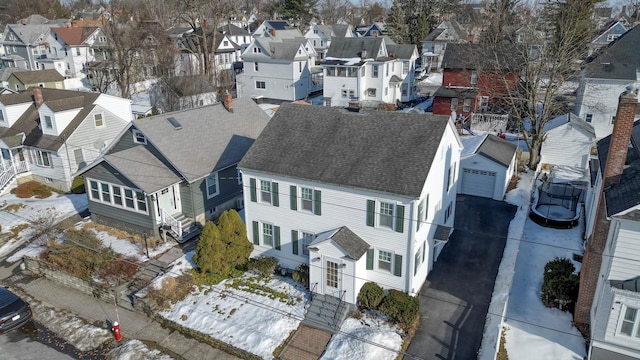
pixel 332 10
pixel 551 49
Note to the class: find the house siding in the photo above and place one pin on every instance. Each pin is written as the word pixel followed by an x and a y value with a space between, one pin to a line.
pixel 599 97
pixel 566 145
pixel 278 78
pixel 625 265
pixel 118 106
pixel 194 196
pixel 503 173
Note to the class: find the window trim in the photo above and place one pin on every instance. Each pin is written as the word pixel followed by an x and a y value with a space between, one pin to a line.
pixel 305 241
pixel 262 191
pixel 375 71
pixel 391 261
pixel 588 118
pixel 38 156
pixel 263 83
pixel 127 195
pixel 302 199
pixel 635 327
pixel 48 122
pixel 213 177
pixel 262 234
pixel 392 216
pixel 139 137
pixel 95 120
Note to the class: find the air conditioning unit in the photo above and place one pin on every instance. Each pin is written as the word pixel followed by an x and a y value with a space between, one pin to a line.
pixel 240 203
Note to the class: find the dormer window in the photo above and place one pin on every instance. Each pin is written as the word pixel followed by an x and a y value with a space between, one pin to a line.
pixel 257 50
pixel 47 122
pixel 97 119
pixel 138 137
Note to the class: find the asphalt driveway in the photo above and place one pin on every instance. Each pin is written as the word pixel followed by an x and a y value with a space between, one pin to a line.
pixel 455 298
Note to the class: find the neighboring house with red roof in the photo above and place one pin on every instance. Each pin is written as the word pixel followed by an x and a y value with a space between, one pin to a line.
pixel 46 134
pixel 75 46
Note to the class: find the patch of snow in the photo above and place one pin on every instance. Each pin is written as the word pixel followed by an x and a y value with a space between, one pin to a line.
pixel 434 78
pixel 348 61
pixel 365 338
pixel 136 350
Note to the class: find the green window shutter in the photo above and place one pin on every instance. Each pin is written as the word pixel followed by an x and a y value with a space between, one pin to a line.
pixel 293 196
pixel 274 189
pixel 399 218
pixel 256 235
pixel 370 259
pixel 294 241
pixel 276 237
pixel 252 186
pixel 317 202
pixel 397 268
pixel 371 208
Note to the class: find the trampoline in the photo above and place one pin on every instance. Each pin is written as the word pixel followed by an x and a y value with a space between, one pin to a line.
pixel 557 205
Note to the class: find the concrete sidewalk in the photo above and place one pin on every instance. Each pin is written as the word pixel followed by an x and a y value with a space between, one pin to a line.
pixel 132 324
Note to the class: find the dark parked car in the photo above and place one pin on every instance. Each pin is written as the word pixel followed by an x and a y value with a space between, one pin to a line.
pixel 14 312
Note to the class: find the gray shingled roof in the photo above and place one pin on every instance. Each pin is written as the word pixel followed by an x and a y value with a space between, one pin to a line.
pixel 351 243
pixel 32 33
pixel 28 122
pixel 618 61
pixel 211 138
pixel 442 233
pixel 497 149
pixel 478 56
pixel 65 104
pixel 144 169
pixel 631 284
pixel 367 150
pixel 401 51
pixel 627 194
pixel 233 30
pixel 434 34
pixel 38 76
pixel 353 47
pixel 340 30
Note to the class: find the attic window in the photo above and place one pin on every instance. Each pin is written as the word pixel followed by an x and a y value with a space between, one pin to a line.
pixel 47 122
pixel 176 125
pixel 138 137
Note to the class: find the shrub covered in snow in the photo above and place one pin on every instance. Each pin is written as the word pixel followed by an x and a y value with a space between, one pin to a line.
pixel 263 265
pixel 400 307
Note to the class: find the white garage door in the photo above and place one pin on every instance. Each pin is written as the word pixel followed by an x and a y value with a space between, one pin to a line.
pixel 478 182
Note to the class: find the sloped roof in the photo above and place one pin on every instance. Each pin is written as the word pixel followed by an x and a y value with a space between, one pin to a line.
pixel 279 49
pixel 75 35
pixel 348 241
pixel 618 61
pixel 364 150
pixel 143 168
pixel 434 34
pixel 278 24
pixel 401 51
pixel 210 138
pixel 354 47
pixel 233 30
pixel 326 30
pixel 30 34
pixel 491 147
pixel 28 122
pixel 572 119
pixel 479 57
pixel 627 194
pixel 38 76
pixel 340 30
pixel 631 284
pixel 189 85
pixel 66 103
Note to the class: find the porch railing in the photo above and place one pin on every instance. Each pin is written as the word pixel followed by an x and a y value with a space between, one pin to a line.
pixel 337 318
pixel 489 122
pixel 311 294
pixel 9 171
pixel 172 223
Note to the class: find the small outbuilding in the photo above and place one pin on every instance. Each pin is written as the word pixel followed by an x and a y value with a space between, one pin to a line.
pixel 568 141
pixel 487 164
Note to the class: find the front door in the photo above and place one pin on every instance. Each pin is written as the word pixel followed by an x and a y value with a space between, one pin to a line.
pixel 332 277
pixel 168 200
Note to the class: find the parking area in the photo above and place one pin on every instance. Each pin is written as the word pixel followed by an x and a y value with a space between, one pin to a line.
pixel 456 296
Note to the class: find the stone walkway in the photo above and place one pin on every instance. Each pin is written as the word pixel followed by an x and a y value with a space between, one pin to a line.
pixel 307 343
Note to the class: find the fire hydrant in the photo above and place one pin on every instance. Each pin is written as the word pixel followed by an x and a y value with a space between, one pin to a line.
pixel 116 331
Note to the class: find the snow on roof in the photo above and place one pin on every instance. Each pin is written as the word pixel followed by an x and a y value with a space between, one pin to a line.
pixel 348 61
pixel 470 144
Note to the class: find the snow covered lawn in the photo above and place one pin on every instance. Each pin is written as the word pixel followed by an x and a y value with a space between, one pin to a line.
pixel 254 322
pixel 365 338
pixel 16 213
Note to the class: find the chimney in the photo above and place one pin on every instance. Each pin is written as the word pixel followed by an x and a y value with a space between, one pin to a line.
pixel 37 96
pixel 272 32
pixel 620 137
pixel 227 101
pixel 624 10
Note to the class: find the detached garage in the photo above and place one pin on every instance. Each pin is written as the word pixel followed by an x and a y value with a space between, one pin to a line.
pixel 487 164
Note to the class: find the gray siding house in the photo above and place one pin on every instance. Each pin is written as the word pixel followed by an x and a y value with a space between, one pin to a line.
pixel 172 172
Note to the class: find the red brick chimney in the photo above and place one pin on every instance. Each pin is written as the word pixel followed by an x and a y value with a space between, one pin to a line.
pixel 37 96
pixel 620 137
pixel 616 158
pixel 227 102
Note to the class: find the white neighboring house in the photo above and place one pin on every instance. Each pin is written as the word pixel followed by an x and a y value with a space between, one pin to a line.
pixel 568 141
pixel 238 35
pixel 226 55
pixel 276 68
pixel 604 78
pixel 74 47
pixel 320 35
pixel 487 165
pixel 613 305
pixel 434 45
pixel 374 203
pixel 48 134
pixel 368 71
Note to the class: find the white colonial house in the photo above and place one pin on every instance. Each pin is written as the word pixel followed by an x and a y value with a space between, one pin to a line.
pixel 276 68
pixel 368 71
pixel 604 78
pixel 320 35
pixel 356 196
pixel 70 49
pixel 48 134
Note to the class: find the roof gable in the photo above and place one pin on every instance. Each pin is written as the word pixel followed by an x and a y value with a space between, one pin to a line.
pixel 37 76
pixel 74 36
pixel 351 244
pixel 364 150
